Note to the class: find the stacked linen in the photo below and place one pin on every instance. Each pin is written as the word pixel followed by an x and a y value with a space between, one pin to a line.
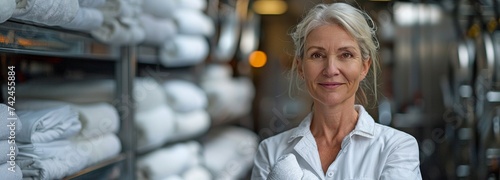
pixel 229 98
pixel 179 161
pixel 163 18
pixel 229 152
pixel 188 102
pixel 7 8
pixel 9 127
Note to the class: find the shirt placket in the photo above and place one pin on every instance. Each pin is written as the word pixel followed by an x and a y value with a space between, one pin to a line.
pixel 332 171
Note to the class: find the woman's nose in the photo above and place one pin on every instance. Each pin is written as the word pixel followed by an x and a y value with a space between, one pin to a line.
pixel 331 67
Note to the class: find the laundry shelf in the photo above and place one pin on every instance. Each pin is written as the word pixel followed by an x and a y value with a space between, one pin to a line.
pixel 24 38
pixel 109 168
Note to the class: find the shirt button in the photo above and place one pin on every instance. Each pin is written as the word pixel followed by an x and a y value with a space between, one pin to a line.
pixel 330 174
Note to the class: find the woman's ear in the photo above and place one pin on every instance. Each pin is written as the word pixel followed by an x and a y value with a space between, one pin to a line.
pixel 366 67
pixel 298 65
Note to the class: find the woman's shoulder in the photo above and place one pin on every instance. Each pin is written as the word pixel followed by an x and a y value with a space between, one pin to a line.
pixel 392 136
pixel 279 138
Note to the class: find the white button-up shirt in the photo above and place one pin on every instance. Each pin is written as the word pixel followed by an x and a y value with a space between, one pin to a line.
pixel 370 151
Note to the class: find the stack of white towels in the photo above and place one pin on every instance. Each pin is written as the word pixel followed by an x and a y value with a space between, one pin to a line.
pixel 60 138
pixel 229 98
pixel 168 111
pixel 226 153
pixel 10 126
pixel 180 28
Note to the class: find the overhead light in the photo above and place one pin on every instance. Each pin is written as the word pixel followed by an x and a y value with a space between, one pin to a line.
pixel 270 7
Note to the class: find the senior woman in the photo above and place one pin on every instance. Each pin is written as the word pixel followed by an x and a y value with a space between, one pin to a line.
pixel 335 48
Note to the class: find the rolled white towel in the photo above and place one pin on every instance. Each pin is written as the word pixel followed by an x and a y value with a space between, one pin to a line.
pixel 7 8
pixel 45 150
pixel 199 5
pixel 99 148
pixel 184 50
pixel 47 12
pixel 148 94
pixel 8 151
pixel 10 123
pixel 91 3
pixel 120 31
pixel 10 172
pixel 48 124
pixel 286 167
pixel 244 93
pixel 234 146
pixel 154 127
pixel 217 72
pixel 190 124
pixel 184 96
pixel 169 161
pixel 157 30
pixel 159 8
pixel 193 22
pixel 220 95
pixel 87 19
pixel 197 173
pixel 121 8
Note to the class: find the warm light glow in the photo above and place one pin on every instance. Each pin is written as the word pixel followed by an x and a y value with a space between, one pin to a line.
pixel 257 59
pixel 270 6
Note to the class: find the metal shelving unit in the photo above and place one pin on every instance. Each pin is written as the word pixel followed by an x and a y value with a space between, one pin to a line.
pixel 22 38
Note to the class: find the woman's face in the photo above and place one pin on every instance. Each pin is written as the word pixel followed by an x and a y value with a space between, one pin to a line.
pixel 332 66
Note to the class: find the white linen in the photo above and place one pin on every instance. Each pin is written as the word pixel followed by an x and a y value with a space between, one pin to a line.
pixel 184 96
pixel 148 94
pixel 157 30
pixel 6 152
pixel 159 8
pixel 169 161
pixel 193 22
pixel 287 167
pixel 8 175
pixel 184 50
pixel 199 5
pixel 121 8
pixel 7 8
pixel 8 122
pixel 48 124
pixel 197 173
pixel 229 147
pixel 154 127
pixel 119 31
pixel 371 151
pixel 99 148
pixel 190 124
pixel 86 19
pixel 45 150
pixel 91 3
pixel 47 12
pixel 52 168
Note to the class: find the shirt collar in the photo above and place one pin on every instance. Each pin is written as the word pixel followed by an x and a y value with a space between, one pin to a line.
pixel 364 127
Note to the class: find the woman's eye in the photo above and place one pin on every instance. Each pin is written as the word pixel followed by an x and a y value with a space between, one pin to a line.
pixel 316 55
pixel 346 55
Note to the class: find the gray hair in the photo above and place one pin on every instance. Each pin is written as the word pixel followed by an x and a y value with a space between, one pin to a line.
pixel 356 22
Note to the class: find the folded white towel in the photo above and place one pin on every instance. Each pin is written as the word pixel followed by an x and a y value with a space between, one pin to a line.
pixel 229 146
pixel 10 121
pixel 287 167
pixel 121 8
pixel 121 31
pixel 48 124
pixel 197 173
pixel 184 50
pixel 5 171
pixel 99 148
pixel 6 151
pixel 169 161
pixel 154 127
pixel 96 118
pixel 75 91
pixel 193 22
pixel 52 168
pixel 157 30
pixel 7 8
pixel 159 8
pixel 91 3
pixel 199 5
pixel 190 124
pixel 87 19
pixel 148 94
pixel 45 150
pixel 217 72
pixel 173 177
pixel 47 12
pixel 184 96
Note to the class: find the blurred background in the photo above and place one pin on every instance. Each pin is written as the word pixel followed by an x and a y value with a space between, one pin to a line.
pixel 186 89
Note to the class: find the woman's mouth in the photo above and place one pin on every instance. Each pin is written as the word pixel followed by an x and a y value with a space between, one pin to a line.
pixel 330 85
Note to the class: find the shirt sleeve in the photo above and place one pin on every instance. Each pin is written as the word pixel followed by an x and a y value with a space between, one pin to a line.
pixel 261 166
pixel 403 162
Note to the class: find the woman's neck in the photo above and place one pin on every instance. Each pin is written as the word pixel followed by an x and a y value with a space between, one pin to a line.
pixel 333 123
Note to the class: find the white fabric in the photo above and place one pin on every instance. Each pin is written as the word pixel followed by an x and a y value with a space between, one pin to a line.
pixel 184 50
pixel 99 148
pixel 7 174
pixel 52 168
pixel 8 122
pixel 199 5
pixel 47 12
pixel 157 30
pixel 159 8
pixel 148 94
pixel 45 150
pixel 197 173
pixel 75 91
pixel 190 124
pixel 87 19
pixel 287 167
pixel 121 8
pixel 229 147
pixel 6 152
pixel 217 72
pixel 7 8
pixel 169 161
pixel 122 31
pixel 370 151
pixel 96 118
pixel 48 124
pixel 91 3
pixel 154 127
pixel 193 22
pixel 184 96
